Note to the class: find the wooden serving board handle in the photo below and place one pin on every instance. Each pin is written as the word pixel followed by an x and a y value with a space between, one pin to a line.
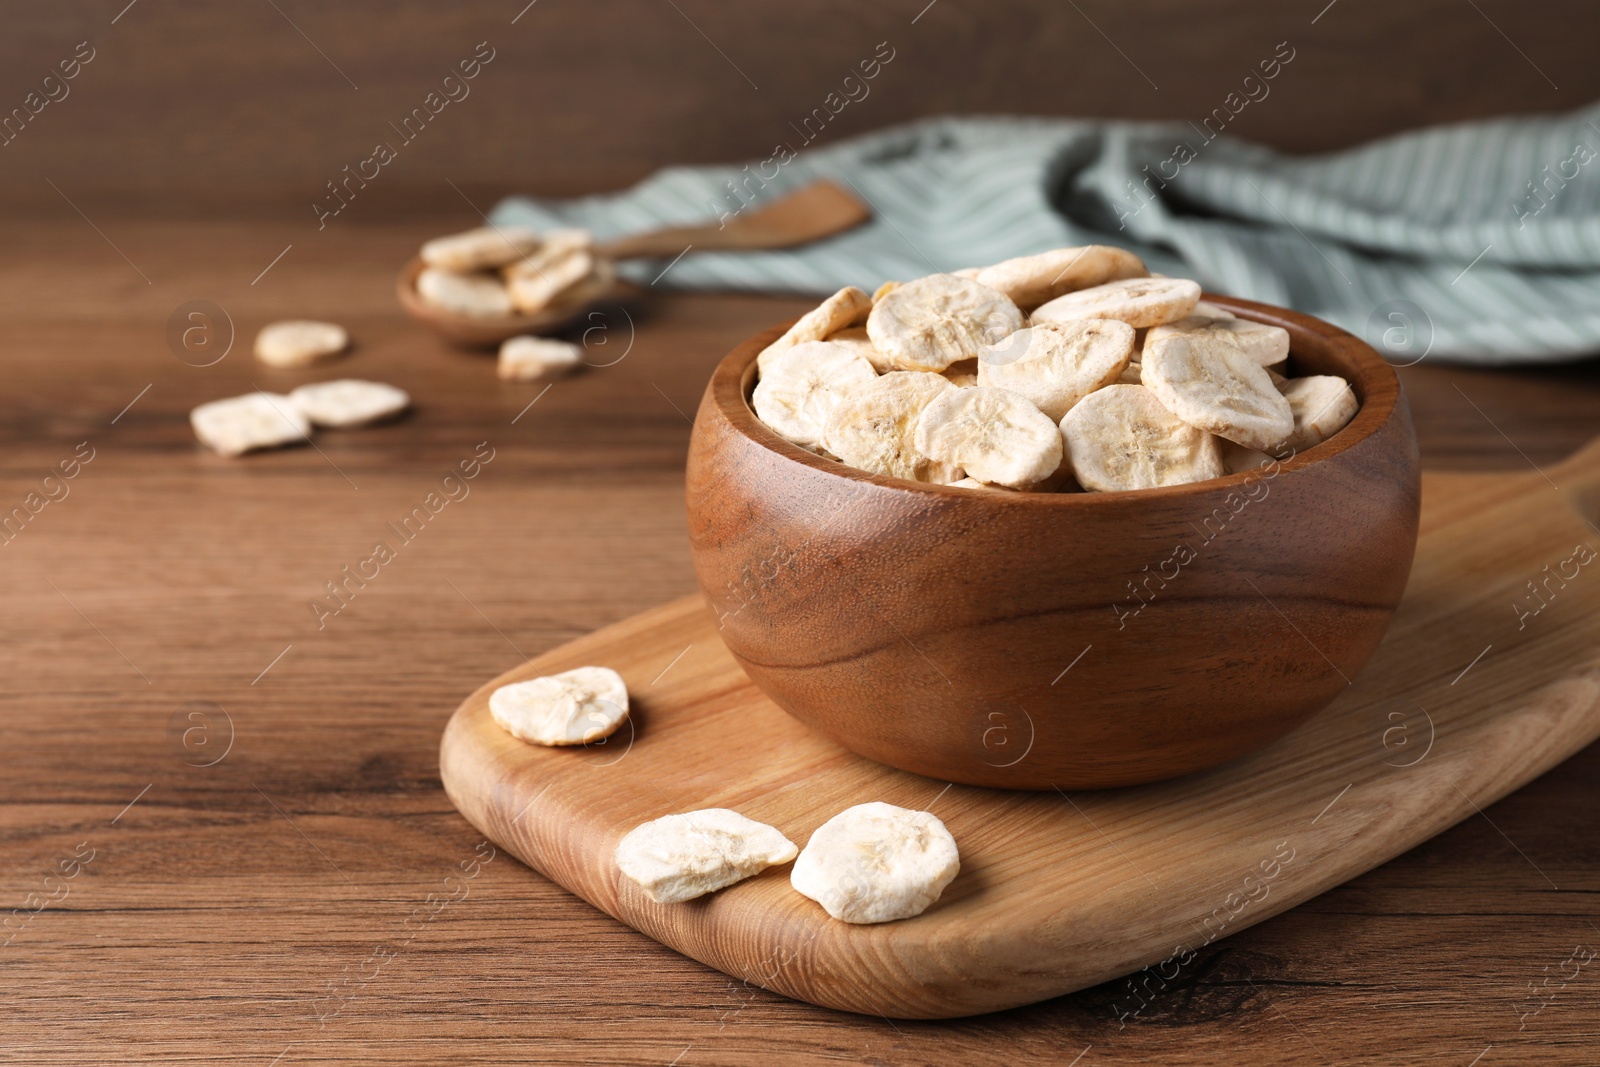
pixel 1490 676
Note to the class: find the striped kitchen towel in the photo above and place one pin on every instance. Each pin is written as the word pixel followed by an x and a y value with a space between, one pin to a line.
pixel 1477 242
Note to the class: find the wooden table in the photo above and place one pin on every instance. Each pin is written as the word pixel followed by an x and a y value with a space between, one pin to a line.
pixel 288 903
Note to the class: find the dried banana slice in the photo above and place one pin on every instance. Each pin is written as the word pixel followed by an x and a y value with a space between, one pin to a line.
pixel 1322 405
pixel 932 322
pixel 874 427
pixel 1057 364
pixel 536 282
pixel 349 402
pixel 480 249
pixel 844 309
pixel 571 708
pixel 299 342
pixel 1237 458
pixel 556 243
pixel 802 385
pixel 479 296
pixel 1121 437
pixel 528 359
pixel 856 339
pixel 597 283
pixel 994 435
pixel 1208 381
pixel 243 424
pixel 1205 309
pixel 884 290
pixel 876 862
pixel 963 373
pixel 681 857
pixel 1135 301
pixel 1267 345
pixel 1033 280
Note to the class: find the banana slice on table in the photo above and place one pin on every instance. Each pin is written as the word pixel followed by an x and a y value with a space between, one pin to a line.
pixel 1121 437
pixel 932 322
pixel 994 435
pixel 349 402
pixel 300 342
pixel 1322 405
pixel 874 427
pixel 1135 301
pixel 1207 380
pixel 245 423
pixel 1033 280
pixel 1057 364
pixel 801 386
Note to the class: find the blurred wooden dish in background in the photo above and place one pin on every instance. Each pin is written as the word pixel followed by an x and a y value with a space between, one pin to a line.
pixel 811 213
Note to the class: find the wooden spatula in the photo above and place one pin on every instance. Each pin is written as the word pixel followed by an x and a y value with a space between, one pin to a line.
pixel 818 210
pixel 821 209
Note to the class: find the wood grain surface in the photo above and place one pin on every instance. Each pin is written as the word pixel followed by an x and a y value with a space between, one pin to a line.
pixel 267 906
pixel 921 625
pixel 223 109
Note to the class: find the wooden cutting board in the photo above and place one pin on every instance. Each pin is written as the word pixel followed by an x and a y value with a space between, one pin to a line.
pixel 1489 676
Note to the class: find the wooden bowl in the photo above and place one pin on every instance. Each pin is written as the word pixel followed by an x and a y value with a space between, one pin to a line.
pixel 1074 640
pixel 471 331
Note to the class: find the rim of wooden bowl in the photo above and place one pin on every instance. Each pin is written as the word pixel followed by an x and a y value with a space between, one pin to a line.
pixel 1376 385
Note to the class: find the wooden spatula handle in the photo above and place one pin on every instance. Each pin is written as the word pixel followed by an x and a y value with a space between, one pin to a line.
pixel 808 214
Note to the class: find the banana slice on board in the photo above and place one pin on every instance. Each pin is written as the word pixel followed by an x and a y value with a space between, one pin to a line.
pixel 681 857
pixel 571 708
pixel 876 862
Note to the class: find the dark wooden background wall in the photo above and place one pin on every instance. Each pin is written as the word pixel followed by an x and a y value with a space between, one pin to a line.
pixel 206 108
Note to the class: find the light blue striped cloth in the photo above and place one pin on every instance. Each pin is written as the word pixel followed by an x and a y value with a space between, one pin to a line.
pixel 1477 242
